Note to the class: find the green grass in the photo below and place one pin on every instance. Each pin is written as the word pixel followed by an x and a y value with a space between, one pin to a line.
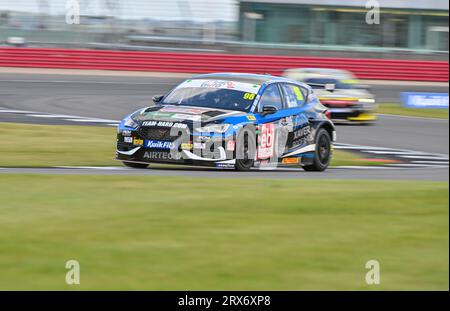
pixel 398 109
pixel 53 145
pixel 163 233
pixel 345 158
pixel 29 145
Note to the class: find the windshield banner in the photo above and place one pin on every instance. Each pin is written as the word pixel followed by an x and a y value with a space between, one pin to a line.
pixel 221 84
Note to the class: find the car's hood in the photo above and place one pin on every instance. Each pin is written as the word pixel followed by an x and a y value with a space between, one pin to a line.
pixel 187 114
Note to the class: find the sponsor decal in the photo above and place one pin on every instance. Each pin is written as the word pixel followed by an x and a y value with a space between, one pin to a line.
pixel 302 136
pixel 425 100
pixel 203 138
pixel 179 125
pixel 149 123
pixel 219 84
pixel 158 144
pixel 298 93
pixel 160 155
pixel 191 117
pixel 164 124
pixel 186 146
pixel 126 133
pixel 231 145
pixel 302 132
pixel 159 114
pixel 224 165
pixel 266 141
pixel 251 118
pixel 128 140
pixel 199 145
pixel 290 161
pixel 138 142
pixel 184 110
pixel 249 96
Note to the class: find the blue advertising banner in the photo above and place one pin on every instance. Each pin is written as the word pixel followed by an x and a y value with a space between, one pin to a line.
pixel 425 100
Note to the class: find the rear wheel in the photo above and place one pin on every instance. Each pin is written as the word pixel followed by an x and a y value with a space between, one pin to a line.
pixel 245 150
pixel 135 165
pixel 322 156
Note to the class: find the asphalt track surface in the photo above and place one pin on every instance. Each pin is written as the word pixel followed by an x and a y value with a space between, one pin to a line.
pixel 112 97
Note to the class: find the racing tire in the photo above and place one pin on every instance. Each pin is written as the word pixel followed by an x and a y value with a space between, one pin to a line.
pixel 246 138
pixel 323 152
pixel 135 165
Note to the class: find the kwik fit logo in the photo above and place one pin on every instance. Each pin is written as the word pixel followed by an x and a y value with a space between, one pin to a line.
pixel 158 144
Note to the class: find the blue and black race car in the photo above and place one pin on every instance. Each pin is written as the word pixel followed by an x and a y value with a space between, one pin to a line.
pixel 230 120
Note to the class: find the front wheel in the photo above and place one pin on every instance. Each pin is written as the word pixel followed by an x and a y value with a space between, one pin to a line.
pixel 135 165
pixel 322 154
pixel 245 150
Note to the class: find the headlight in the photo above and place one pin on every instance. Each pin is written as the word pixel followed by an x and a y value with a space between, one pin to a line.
pixel 214 128
pixel 129 122
pixel 367 100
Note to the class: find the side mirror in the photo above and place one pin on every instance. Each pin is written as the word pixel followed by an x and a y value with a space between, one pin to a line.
pixel 330 87
pixel 157 98
pixel 268 110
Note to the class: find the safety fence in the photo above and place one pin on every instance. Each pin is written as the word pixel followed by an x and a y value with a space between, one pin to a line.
pixel 374 69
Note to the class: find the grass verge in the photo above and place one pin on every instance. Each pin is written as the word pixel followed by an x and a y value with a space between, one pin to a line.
pixel 30 145
pixel 54 145
pixel 167 233
pixel 398 109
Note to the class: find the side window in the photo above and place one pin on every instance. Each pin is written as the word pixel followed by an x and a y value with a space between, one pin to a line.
pixel 294 95
pixel 271 97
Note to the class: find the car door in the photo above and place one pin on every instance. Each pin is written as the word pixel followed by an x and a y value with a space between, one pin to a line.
pixel 274 128
pixel 295 98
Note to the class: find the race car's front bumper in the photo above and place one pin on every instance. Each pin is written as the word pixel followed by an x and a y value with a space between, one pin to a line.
pixel 352 115
pixel 192 153
pixel 352 110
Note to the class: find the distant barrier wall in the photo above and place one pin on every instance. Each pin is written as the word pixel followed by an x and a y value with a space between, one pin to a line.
pixel 375 69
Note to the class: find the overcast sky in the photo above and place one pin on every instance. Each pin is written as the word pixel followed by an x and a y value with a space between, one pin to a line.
pixel 160 9
pixel 185 9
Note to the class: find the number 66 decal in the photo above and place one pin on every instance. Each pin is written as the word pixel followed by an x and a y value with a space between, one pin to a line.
pixel 266 141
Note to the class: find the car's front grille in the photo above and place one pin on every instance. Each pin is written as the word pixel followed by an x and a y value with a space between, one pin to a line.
pixel 124 146
pixel 159 133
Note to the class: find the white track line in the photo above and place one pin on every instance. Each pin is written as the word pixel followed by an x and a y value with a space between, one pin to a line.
pixel 65 117
pixel 424 158
pixel 87 82
pixel 51 116
pixel 373 148
pixel 16 111
pixel 104 168
pixel 363 167
pixel 347 146
pixel 415 165
pixel 397 152
pixel 413 117
pixel 432 162
pixel 93 120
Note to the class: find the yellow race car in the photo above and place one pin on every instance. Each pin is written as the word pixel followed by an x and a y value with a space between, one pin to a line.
pixel 340 91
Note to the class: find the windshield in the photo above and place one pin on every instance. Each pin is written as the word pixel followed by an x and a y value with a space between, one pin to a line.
pixel 226 95
pixel 339 84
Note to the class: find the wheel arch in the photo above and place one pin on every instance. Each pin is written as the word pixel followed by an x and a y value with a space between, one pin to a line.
pixel 330 128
